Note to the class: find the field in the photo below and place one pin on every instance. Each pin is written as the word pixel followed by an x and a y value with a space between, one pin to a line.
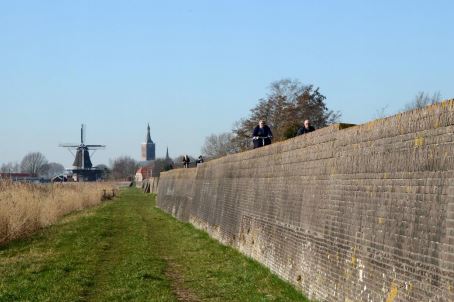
pixel 25 208
pixel 128 250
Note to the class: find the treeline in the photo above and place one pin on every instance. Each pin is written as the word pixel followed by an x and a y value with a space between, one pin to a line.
pixel 34 163
pixel 285 107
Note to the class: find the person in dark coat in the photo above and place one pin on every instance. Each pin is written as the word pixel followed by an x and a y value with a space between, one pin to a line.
pixel 186 161
pixel 262 135
pixel 306 128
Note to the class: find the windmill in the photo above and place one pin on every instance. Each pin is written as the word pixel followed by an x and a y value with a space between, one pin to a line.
pixel 83 167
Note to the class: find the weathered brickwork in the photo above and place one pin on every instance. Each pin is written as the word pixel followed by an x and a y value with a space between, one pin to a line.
pixel 364 213
pixel 149 185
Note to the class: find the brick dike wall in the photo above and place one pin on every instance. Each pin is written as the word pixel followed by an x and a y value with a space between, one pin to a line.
pixel 364 213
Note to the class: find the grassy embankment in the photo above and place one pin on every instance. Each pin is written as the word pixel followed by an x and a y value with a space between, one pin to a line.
pixel 129 250
pixel 25 208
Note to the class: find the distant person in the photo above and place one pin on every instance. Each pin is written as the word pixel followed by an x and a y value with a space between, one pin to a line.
pixel 200 160
pixel 306 128
pixel 186 161
pixel 262 135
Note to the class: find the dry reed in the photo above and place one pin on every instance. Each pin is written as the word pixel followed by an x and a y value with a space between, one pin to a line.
pixel 25 208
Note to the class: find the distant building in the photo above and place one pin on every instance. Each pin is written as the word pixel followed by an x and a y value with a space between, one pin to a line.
pixel 23 177
pixel 148 148
pixel 151 169
pixel 142 173
pixel 149 166
pixel 168 162
pixel 168 159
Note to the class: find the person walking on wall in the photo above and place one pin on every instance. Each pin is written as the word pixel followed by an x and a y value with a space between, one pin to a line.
pixel 261 135
pixel 186 161
pixel 306 128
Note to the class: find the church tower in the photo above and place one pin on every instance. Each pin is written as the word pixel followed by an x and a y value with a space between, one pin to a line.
pixel 148 148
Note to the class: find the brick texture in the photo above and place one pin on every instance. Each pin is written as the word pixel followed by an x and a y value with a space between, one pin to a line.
pixel 364 213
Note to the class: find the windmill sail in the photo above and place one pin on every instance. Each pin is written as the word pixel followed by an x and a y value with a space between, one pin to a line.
pixel 83 130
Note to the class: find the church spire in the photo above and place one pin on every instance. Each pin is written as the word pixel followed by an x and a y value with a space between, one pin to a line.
pixel 148 135
pixel 167 154
pixel 148 148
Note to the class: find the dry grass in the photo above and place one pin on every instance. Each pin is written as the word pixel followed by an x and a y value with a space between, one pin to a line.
pixel 25 208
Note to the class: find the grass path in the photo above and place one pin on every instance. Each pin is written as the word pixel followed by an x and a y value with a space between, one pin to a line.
pixel 127 250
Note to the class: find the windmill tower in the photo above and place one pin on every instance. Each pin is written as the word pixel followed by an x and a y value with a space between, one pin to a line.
pixel 83 167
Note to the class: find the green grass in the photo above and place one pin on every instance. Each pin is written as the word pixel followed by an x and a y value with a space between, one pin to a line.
pixel 127 250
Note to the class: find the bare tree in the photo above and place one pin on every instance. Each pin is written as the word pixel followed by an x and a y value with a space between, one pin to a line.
pixel 422 99
pixel 50 170
pixel 33 162
pixel 218 145
pixel 10 167
pixel 241 138
pixel 124 167
pixel 163 164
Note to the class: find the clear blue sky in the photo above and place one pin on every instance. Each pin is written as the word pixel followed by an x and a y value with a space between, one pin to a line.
pixel 192 68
